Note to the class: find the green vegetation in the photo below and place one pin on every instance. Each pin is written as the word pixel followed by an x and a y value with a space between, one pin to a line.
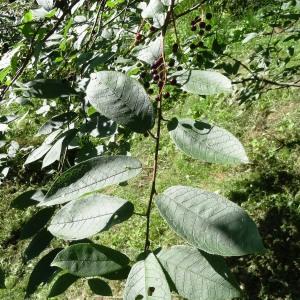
pixel 262 112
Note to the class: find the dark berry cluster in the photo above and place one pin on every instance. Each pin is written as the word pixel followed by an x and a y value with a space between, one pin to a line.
pixel 201 23
pixel 158 72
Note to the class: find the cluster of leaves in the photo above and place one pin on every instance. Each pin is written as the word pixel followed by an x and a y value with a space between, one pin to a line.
pixel 92 61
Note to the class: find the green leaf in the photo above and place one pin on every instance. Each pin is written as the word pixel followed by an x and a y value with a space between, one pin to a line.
pixel 91 175
pixel 38 244
pixel 37 154
pixel 25 199
pixel 99 287
pixel 121 99
pixel 203 82
pixel 61 284
pixel 156 11
pixel 209 221
pixel 147 280
pixel 56 122
pixel 198 275
pixel 206 142
pixel 85 217
pixel 36 222
pixel 87 259
pixel 59 148
pixel 151 52
pixel 42 272
pixel 46 4
pixel 49 88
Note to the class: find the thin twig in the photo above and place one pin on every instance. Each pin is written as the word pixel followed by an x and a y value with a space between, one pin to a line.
pixel 32 50
pixel 153 191
pixel 190 9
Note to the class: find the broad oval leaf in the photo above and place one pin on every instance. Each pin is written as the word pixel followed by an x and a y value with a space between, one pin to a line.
pixel 49 88
pixel 85 217
pixel 59 148
pixel 209 221
pixel 37 154
pixel 42 272
pixel 61 284
pixel 147 281
pixel 203 82
pixel 206 142
pixel 88 259
pixel 198 275
pixel 121 99
pixel 151 52
pixel 99 287
pixel 155 10
pixel 46 4
pixel 91 175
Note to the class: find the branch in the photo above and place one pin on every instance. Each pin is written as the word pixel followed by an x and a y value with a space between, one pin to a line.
pixel 158 132
pixel 190 9
pixel 32 49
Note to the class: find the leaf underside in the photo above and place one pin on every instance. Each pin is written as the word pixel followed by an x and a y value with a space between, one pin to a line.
pixel 209 222
pixel 85 217
pixel 198 275
pixel 121 99
pixel 91 175
pixel 203 82
pixel 147 279
pixel 209 143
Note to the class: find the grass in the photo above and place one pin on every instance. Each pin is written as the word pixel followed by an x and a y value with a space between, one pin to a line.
pixel 268 189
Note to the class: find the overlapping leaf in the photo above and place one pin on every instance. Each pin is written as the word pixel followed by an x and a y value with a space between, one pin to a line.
pixel 121 99
pixel 151 52
pixel 198 275
pixel 203 82
pixel 49 88
pixel 203 141
pixel 61 284
pixel 155 10
pixel 85 217
pixel 147 281
pixel 209 222
pixel 87 260
pixel 91 175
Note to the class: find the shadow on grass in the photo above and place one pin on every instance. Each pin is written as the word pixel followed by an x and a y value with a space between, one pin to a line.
pixel 274 275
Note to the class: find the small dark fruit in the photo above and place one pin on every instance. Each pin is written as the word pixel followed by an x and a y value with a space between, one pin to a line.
pixel 202 25
pixel 157 98
pixel 193 23
pixel 175 47
pixel 172 62
pixel 154 71
pixel 208 27
pixel 156 77
pixel 160 84
pixel 150 91
pixel 146 84
pixel 153 29
pixel 167 95
pixel 193 28
pixel 208 16
pixel 138 37
pixel 139 64
pixel 173 81
pixel 146 134
pixel 201 32
pixel 179 68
